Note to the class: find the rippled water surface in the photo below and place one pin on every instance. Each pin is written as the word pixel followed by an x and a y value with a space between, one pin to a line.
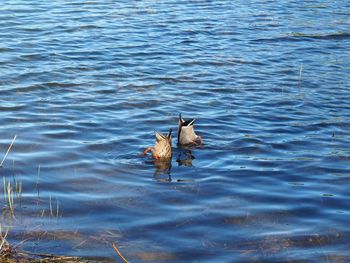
pixel 84 85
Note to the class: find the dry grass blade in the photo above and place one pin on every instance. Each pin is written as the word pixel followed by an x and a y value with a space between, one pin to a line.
pixel 10 196
pixel 51 214
pixel 4 184
pixel 57 207
pixel 8 150
pixel 3 237
pixel 119 254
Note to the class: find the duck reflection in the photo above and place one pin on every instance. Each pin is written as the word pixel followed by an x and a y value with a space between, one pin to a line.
pixel 185 157
pixel 163 168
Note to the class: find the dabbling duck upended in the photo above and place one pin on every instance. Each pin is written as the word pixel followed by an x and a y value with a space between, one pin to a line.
pixel 186 134
pixel 162 148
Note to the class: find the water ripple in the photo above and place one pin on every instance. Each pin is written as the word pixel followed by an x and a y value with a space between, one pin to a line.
pixel 85 84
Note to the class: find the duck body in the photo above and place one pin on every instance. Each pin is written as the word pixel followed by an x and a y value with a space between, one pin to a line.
pixel 186 134
pixel 162 148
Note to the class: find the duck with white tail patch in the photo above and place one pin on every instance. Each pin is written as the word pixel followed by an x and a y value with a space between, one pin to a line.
pixel 186 134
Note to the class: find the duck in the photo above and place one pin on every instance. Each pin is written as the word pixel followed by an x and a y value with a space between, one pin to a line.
pixel 162 148
pixel 186 134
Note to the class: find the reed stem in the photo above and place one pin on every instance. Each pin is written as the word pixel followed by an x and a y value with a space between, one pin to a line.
pixel 8 150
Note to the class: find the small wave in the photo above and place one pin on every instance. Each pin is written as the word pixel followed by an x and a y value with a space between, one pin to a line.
pixel 296 37
pixel 5 49
pixel 333 36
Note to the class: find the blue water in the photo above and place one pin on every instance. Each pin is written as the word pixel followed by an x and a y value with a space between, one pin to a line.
pixel 84 85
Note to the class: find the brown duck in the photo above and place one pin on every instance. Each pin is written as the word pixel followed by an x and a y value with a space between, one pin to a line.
pixel 186 134
pixel 162 148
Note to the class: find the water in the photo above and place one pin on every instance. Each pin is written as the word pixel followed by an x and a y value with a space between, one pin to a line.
pixel 84 85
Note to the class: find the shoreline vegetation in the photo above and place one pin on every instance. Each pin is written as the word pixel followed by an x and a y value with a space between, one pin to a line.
pixel 11 253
